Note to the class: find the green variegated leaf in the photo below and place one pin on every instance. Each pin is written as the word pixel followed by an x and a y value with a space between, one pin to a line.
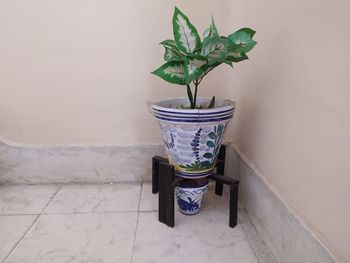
pixel 228 63
pixel 169 43
pixel 215 50
pixel 195 66
pixel 249 31
pixel 233 55
pixel 172 54
pixel 243 39
pixel 173 72
pixel 185 34
pixel 236 56
pixel 211 31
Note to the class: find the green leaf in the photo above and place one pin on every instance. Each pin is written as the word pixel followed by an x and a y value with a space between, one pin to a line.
pixel 212 103
pixel 247 30
pixel 236 56
pixel 215 50
pixel 195 66
pixel 228 63
pixel 210 144
pixel 208 155
pixel 211 31
pixel 243 39
pixel 185 34
pixel 169 43
pixel 172 54
pixel 212 135
pixel 173 72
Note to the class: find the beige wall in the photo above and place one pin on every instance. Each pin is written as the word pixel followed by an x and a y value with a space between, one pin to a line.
pixel 77 72
pixel 293 116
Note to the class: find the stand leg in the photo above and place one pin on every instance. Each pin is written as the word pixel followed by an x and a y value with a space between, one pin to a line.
pixel 155 172
pixel 233 204
pixel 170 209
pixel 220 169
pixel 161 195
pixel 166 194
pixel 155 175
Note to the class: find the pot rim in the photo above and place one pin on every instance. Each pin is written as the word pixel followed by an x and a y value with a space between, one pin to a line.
pixel 189 189
pixel 165 105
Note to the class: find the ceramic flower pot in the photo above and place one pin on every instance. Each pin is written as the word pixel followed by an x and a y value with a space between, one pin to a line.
pixel 189 196
pixel 192 137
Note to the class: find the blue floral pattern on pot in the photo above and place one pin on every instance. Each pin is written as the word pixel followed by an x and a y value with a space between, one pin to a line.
pixel 189 200
pixel 193 151
pixel 192 138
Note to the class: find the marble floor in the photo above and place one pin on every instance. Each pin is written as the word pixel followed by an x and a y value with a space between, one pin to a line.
pixel 118 223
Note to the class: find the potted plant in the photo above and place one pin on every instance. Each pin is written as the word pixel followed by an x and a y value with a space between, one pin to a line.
pixel 192 126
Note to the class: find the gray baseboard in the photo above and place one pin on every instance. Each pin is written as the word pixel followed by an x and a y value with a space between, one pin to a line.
pixel 287 237
pixel 70 164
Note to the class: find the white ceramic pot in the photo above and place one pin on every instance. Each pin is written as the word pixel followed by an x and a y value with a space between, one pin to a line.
pixel 192 137
pixel 189 199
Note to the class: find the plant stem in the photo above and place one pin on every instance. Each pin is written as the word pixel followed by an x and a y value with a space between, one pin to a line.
pixel 195 93
pixel 190 96
pixel 205 74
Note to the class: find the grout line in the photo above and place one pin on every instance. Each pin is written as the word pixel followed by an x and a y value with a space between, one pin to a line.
pixel 73 183
pixel 91 212
pixel 137 224
pixel 18 215
pixel 52 197
pixel 31 225
pixel 78 213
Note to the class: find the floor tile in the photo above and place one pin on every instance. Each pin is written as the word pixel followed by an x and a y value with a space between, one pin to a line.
pixel 11 230
pixel 211 201
pixel 25 199
pixel 95 198
pixel 104 237
pixel 148 201
pixel 205 237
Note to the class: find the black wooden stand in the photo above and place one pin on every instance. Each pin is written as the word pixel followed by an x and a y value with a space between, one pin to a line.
pixel 164 181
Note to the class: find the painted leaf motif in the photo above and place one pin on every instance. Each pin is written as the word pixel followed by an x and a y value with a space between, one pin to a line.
pixel 205 164
pixel 210 144
pixel 220 128
pixel 172 54
pixel 215 50
pixel 212 135
pixel 195 66
pixel 211 31
pixel 243 39
pixel 173 72
pixel 185 34
pixel 208 155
